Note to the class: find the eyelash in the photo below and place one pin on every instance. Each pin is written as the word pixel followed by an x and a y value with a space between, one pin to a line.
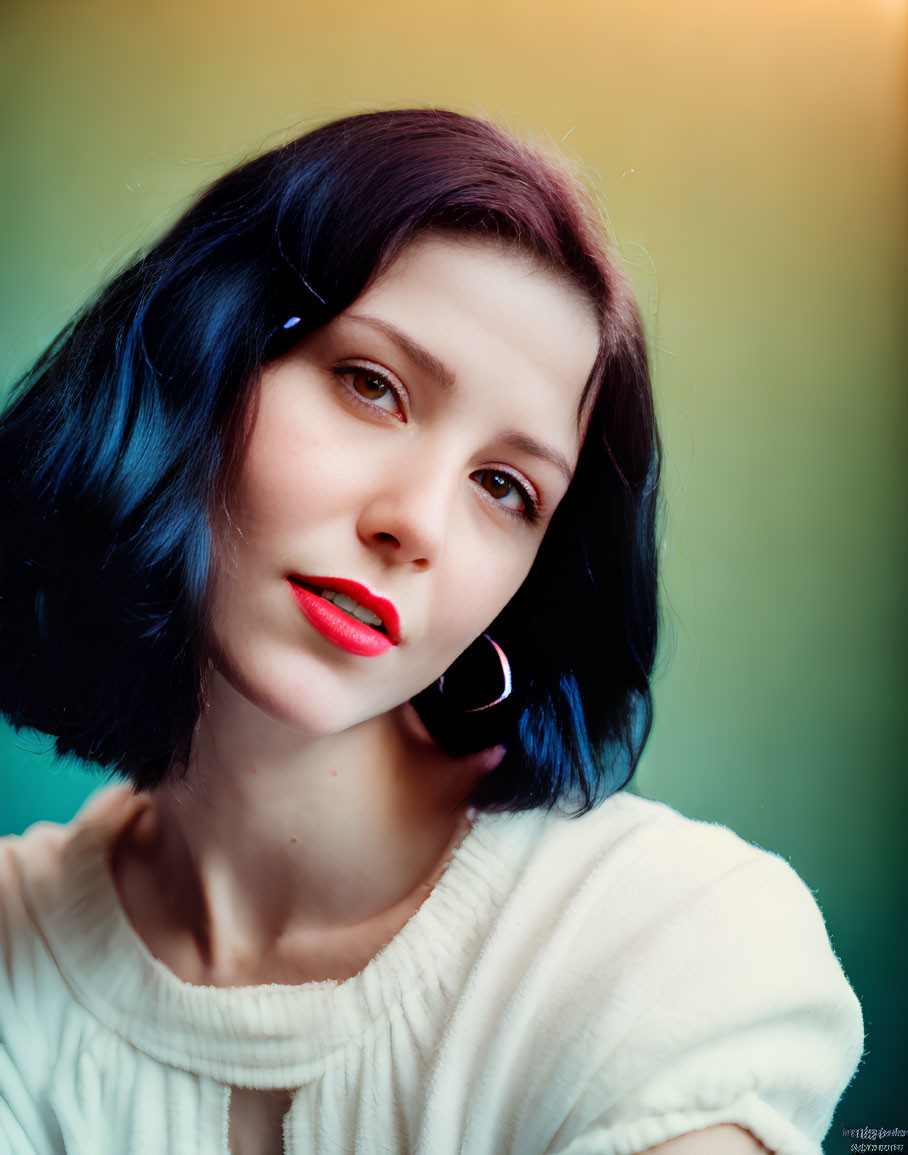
pixel 530 511
pixel 344 371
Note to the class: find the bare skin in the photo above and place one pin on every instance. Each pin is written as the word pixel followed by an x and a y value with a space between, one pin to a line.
pixel 319 909
pixel 418 443
pixel 722 1140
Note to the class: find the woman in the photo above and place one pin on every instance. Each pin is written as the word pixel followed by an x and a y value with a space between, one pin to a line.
pixel 333 525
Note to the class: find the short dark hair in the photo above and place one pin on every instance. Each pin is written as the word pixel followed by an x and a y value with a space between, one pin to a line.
pixel 120 444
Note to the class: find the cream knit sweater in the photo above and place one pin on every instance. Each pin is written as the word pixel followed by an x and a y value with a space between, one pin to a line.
pixel 593 985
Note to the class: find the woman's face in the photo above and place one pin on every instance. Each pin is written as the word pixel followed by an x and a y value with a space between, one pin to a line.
pixel 416 446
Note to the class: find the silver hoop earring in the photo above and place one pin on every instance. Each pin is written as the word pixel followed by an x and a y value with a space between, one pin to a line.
pixel 505 675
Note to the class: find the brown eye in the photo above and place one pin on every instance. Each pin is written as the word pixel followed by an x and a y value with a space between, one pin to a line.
pixel 368 385
pixel 506 490
pixel 372 388
pixel 497 484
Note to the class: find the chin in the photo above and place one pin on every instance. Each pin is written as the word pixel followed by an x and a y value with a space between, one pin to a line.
pixel 313 705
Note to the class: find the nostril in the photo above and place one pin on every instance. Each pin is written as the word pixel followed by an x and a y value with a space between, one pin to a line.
pixel 381 536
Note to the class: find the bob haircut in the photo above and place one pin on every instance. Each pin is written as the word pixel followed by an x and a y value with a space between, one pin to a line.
pixel 118 449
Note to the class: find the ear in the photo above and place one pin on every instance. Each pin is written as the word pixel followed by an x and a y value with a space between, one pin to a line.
pixel 484 761
pixel 480 763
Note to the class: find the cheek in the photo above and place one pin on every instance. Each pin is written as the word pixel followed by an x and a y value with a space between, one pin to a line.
pixel 468 603
pixel 288 472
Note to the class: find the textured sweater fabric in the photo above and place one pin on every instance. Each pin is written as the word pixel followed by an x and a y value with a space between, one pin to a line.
pixel 591 985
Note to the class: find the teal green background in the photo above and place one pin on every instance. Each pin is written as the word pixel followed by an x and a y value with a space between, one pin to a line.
pixel 752 160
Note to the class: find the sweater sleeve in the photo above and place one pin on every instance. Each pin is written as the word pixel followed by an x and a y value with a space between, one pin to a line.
pixel 754 1025
pixel 22 1131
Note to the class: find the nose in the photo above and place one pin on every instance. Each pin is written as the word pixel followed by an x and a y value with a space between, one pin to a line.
pixel 406 514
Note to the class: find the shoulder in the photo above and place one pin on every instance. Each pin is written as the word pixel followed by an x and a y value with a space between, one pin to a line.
pixel 39 855
pixel 649 858
pixel 651 866
pixel 41 877
pixel 700 915
pixel 694 975
pixel 42 1022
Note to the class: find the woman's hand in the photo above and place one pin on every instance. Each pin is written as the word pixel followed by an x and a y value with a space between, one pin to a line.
pixel 726 1139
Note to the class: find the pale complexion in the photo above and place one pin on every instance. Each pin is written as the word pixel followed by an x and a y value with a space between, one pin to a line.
pixel 403 445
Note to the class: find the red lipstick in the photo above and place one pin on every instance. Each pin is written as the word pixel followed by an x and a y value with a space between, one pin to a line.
pixel 337 623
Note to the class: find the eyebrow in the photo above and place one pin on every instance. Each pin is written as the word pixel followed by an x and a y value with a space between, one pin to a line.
pixel 439 371
pixel 539 450
pixel 418 354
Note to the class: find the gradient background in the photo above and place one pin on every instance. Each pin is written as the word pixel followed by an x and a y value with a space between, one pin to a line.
pixel 752 157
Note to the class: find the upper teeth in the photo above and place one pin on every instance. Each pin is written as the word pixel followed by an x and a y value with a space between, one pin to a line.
pixel 351 607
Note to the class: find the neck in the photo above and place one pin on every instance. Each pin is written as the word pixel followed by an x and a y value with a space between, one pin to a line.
pixel 273 841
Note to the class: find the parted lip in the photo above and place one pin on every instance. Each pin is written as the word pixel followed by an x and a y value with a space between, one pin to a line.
pixel 359 593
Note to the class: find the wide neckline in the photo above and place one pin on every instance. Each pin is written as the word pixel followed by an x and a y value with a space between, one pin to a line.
pixel 266 1035
pixel 129 930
